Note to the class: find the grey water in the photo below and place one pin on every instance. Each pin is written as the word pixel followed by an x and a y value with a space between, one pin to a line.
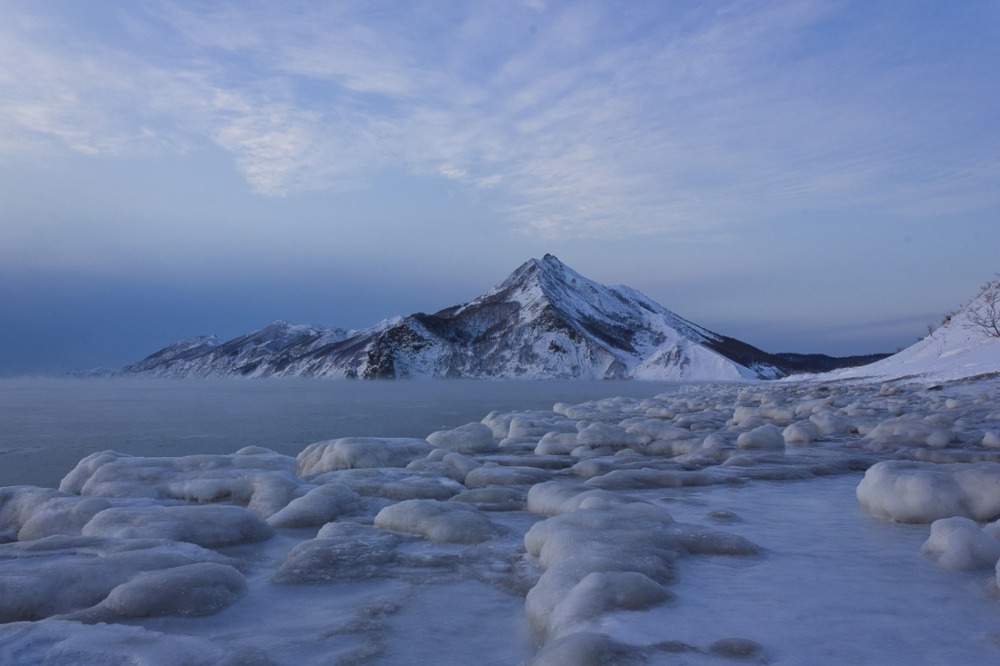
pixel 48 424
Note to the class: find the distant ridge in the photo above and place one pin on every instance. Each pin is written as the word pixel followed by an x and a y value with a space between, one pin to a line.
pixel 544 321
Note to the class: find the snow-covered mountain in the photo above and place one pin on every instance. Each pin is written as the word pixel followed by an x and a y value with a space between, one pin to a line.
pixel 965 345
pixel 544 321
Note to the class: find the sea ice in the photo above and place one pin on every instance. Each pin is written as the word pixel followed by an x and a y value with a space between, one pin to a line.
pixel 566 516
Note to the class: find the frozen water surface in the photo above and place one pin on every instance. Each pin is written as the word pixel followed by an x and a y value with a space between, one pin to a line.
pixel 498 523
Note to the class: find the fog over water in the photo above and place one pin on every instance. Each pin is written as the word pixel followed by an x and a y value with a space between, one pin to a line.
pixel 48 425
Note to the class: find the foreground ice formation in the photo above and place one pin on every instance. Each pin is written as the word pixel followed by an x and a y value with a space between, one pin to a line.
pixel 576 530
pixel 917 492
pixel 59 574
pixel 59 642
pixel 959 543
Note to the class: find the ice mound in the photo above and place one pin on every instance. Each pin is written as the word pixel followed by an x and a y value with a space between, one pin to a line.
pixel 492 474
pixel 30 512
pixel 317 507
pixel 441 462
pixel 470 438
pixel 188 590
pixel 527 424
pixel 917 492
pixel 209 525
pixel 556 443
pixel 958 543
pixel 393 483
pixel 494 498
pixel 340 551
pixel 605 438
pixel 360 452
pixel 800 432
pixel 259 479
pixel 638 479
pixel 633 546
pixel 602 591
pixel 767 436
pixel 64 643
pixel 440 522
pixel 909 431
pixel 555 497
pixel 61 574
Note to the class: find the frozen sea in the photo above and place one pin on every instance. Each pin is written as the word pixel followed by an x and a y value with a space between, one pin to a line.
pixel 665 525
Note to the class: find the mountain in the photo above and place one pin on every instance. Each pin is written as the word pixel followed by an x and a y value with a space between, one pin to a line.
pixel 544 321
pixel 964 346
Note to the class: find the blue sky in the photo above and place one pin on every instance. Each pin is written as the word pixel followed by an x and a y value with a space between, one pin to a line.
pixel 806 176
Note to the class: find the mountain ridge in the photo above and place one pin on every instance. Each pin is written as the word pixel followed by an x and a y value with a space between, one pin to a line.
pixel 544 321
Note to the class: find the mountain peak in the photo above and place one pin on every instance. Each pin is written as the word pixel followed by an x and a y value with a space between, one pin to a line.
pixel 543 321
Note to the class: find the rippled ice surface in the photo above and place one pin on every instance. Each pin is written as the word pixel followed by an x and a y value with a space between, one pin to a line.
pixel 770 545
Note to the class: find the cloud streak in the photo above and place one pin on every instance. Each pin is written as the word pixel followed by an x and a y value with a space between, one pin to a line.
pixel 582 120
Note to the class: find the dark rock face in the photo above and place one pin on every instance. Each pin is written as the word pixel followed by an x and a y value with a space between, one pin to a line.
pixel 544 321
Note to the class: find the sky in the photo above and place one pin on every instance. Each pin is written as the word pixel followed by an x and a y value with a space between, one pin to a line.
pixel 809 176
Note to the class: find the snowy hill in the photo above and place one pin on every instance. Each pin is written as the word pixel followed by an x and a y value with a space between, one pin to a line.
pixel 544 321
pixel 966 345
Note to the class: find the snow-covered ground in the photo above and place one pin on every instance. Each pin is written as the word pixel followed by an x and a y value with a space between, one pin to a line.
pixel 715 524
pixel 965 345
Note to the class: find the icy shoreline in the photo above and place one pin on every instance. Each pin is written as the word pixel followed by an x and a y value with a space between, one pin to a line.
pixel 569 536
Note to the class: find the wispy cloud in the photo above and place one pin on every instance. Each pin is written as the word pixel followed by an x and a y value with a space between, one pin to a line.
pixel 585 120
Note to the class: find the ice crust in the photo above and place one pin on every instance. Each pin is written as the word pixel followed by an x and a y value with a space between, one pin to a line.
pixel 568 512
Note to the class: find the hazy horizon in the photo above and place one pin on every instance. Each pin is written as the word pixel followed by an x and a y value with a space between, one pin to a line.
pixel 806 176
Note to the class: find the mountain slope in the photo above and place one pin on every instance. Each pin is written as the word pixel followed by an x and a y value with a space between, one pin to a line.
pixel 965 345
pixel 544 321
